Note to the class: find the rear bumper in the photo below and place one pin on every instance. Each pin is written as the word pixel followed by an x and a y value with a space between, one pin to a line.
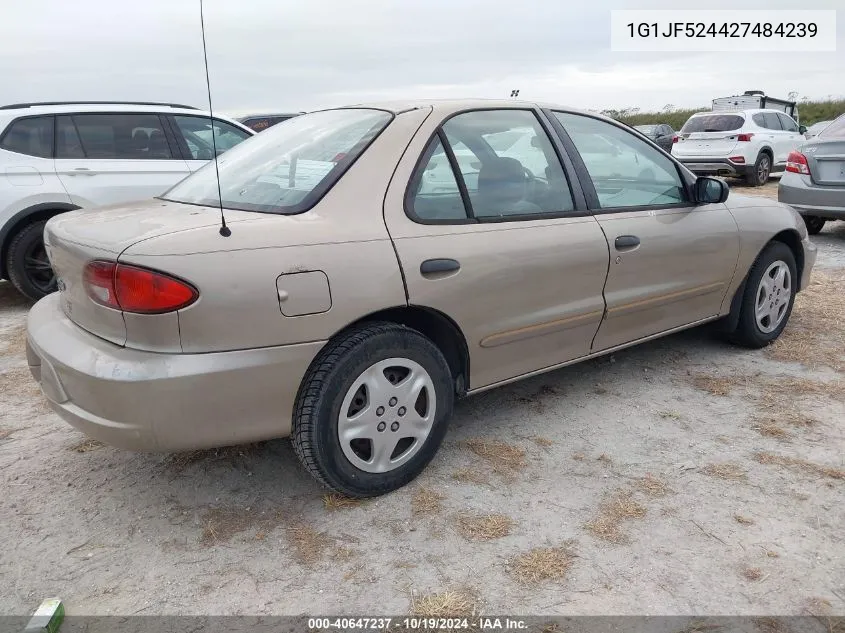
pixel 809 198
pixel 715 166
pixel 162 402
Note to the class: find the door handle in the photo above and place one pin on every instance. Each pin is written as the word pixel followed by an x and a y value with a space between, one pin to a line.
pixel 81 171
pixel 432 267
pixel 626 242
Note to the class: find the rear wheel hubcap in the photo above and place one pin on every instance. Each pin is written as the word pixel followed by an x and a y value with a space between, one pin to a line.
pixel 37 268
pixel 386 415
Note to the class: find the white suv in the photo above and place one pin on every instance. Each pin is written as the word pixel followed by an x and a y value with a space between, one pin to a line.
pixel 750 144
pixel 56 157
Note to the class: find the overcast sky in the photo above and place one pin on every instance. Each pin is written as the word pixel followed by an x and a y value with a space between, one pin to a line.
pixel 280 55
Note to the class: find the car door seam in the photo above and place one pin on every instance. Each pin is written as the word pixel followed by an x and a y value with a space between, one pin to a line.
pixel 604 285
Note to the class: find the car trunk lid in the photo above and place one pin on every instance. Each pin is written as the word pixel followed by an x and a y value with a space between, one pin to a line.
pixel 709 135
pixel 826 160
pixel 73 239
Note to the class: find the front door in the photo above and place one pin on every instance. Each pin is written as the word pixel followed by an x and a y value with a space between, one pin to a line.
pixel 109 158
pixel 488 233
pixel 670 260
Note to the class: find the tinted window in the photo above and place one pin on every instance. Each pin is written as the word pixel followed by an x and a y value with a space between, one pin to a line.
pixel 770 120
pixel 197 133
pixel 68 144
pixel 32 136
pixel 434 190
pixel 286 168
pixel 786 122
pixel 835 129
pixel 713 123
pixel 118 136
pixel 626 171
pixel 668 131
pixel 648 130
pixel 508 164
pixel 262 123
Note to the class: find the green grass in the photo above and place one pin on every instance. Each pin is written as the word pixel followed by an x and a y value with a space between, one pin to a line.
pixel 809 111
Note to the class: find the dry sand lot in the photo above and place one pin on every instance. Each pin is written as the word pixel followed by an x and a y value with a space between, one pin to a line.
pixel 684 476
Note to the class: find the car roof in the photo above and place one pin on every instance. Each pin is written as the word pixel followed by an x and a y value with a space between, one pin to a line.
pixel 452 106
pixel 264 115
pixel 744 111
pixel 59 108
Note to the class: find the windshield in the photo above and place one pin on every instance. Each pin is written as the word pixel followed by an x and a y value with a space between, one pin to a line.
pixel 287 168
pixel 646 129
pixel 835 129
pixel 713 123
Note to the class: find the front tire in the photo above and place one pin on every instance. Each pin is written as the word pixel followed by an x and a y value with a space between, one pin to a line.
pixel 27 265
pixel 759 175
pixel 373 409
pixel 768 297
pixel 814 224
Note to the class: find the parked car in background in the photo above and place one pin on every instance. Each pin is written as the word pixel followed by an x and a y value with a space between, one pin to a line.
pixel 750 144
pixel 261 122
pixel 56 157
pixel 661 133
pixel 814 182
pixel 815 128
pixel 352 302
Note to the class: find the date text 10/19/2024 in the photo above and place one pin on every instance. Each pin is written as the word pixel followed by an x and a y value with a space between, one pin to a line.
pixel 417 623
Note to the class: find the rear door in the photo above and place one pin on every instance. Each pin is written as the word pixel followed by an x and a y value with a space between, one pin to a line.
pixel 670 260
pixel 109 158
pixel 499 241
pixel 194 136
pixel 709 135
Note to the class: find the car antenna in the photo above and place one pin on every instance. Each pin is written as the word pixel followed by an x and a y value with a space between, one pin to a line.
pixel 225 231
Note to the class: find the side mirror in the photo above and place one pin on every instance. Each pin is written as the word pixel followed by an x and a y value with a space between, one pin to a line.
pixel 802 129
pixel 709 190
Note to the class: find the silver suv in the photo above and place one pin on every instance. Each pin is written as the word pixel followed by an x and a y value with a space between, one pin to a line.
pixel 56 157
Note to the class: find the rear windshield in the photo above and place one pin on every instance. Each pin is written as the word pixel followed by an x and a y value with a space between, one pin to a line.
pixel 835 129
pixel 646 129
pixel 287 168
pixel 713 123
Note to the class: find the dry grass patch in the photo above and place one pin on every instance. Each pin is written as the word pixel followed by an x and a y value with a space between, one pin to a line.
pixel 541 563
pixel 714 385
pixel 802 465
pixel 444 604
pixel 426 502
pixel 770 428
pixel 470 476
pixel 542 441
pixel 607 525
pixel 335 501
pixel 220 525
pixel 816 333
pixel 505 458
pixel 752 573
pixel 652 486
pixel 6 431
pixel 228 454
pixel 308 544
pixel 670 415
pixel 725 471
pixel 87 445
pixel 579 457
pixel 484 527
pixel 743 520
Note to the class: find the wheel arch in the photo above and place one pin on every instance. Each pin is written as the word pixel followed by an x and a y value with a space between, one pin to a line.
pixel 790 238
pixel 34 213
pixel 439 328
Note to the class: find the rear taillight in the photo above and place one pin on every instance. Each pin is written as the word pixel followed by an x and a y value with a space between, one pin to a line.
pixel 797 163
pixel 134 289
pixel 744 137
pixel 737 159
pixel 675 139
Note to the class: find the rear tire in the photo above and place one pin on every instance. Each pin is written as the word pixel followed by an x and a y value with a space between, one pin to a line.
pixel 814 224
pixel 356 410
pixel 759 176
pixel 27 265
pixel 768 297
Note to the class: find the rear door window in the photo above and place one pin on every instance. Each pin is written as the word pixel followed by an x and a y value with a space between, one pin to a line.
pixel 115 136
pixel 32 136
pixel 772 121
pixel 713 123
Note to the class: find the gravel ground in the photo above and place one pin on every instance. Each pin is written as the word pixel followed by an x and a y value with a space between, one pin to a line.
pixel 684 476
